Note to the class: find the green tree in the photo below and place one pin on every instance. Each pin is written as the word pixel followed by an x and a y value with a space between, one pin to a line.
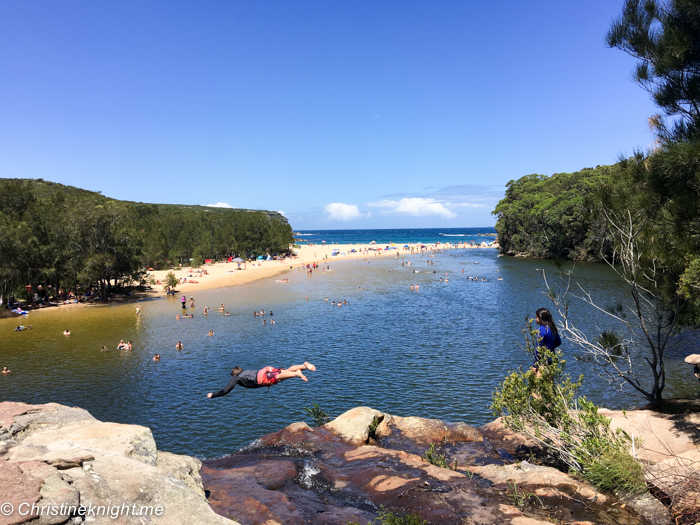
pixel 664 36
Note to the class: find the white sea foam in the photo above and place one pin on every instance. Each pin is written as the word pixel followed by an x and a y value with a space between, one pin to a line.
pixel 453 234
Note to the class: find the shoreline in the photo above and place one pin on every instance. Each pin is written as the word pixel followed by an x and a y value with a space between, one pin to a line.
pixel 226 274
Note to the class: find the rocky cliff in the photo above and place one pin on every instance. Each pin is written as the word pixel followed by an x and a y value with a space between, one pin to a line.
pixel 365 461
pixel 61 465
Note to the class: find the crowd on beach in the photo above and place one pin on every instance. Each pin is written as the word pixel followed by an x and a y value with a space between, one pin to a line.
pixel 309 268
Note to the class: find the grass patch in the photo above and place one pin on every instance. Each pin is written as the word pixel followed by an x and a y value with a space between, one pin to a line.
pixel 386 517
pixel 616 471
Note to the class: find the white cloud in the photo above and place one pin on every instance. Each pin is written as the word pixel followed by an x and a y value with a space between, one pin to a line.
pixel 219 205
pixel 337 211
pixel 281 212
pixel 416 206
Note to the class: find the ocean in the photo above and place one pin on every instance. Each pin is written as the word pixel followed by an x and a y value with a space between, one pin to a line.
pixel 398 236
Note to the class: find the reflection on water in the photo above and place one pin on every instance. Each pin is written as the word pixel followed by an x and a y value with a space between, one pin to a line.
pixel 438 352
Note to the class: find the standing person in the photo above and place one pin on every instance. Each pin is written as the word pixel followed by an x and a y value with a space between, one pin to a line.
pixel 547 337
pixel 184 302
pixel 267 376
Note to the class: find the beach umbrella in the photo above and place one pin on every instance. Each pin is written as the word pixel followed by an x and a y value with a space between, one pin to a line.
pixel 373 242
pixel 406 246
pixel 238 259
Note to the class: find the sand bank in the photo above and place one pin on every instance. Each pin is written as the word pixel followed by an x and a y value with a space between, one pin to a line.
pixel 227 274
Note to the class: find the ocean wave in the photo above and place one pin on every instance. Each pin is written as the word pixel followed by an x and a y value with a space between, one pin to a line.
pixel 453 234
pixel 305 234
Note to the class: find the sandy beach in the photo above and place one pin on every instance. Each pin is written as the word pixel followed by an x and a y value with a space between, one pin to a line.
pixel 226 274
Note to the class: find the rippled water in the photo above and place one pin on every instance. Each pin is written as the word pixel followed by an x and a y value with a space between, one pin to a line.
pixel 438 352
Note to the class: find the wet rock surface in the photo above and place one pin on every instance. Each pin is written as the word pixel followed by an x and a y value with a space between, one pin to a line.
pixel 365 461
pixel 52 455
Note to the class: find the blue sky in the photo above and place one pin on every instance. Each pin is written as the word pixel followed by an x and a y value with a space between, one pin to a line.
pixel 340 114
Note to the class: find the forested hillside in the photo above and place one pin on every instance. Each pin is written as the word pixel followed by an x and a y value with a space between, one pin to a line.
pixel 554 217
pixel 59 235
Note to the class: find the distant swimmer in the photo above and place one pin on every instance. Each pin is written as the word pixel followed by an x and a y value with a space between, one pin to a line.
pixel 138 310
pixel 177 316
pixel 417 287
pixel 188 316
pixel 267 376
pixel 411 287
pixel 211 332
pixel 227 313
pixel 128 346
pixel 6 371
pixel 104 348
pixel 156 357
pixel 179 346
pixel 326 298
pixel 272 321
pixel 66 332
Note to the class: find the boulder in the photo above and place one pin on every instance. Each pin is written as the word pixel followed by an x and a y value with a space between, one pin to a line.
pixel 693 359
pixel 353 426
pixel 423 431
pixel 54 455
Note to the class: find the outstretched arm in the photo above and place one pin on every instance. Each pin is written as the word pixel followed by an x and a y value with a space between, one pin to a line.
pixel 226 389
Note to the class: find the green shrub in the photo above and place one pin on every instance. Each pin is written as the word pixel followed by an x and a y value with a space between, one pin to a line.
pixel 544 406
pixel 170 280
pixel 316 413
pixel 387 517
pixel 616 470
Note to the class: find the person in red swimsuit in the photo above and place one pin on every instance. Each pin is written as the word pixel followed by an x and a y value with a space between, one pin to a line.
pixel 267 376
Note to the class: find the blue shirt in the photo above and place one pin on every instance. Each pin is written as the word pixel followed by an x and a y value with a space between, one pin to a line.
pixel 549 340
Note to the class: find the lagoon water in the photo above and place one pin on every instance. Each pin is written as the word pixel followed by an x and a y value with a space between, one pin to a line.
pixel 438 352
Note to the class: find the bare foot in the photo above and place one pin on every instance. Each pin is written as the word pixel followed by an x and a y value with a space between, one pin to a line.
pixel 301 376
pixel 309 366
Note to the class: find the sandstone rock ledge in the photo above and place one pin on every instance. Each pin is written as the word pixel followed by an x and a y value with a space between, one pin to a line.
pixel 53 455
pixel 366 460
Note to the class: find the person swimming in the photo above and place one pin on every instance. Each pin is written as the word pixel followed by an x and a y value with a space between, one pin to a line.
pixel 156 357
pixel 179 346
pixel 211 332
pixel 6 371
pixel 267 376
pixel 66 332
